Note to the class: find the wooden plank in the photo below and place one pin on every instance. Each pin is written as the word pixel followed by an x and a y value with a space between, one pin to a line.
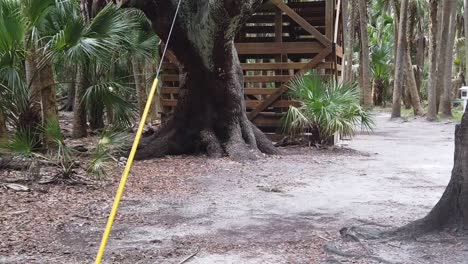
pixel 247 91
pixel 270 100
pixel 266 78
pixel 279 48
pixel 337 21
pixel 169 102
pixel 170 90
pixel 329 11
pixel 302 22
pixel 259 91
pixel 252 104
pixel 282 66
pixel 170 78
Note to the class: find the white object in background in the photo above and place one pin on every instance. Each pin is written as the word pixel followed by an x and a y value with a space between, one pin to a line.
pixel 464 96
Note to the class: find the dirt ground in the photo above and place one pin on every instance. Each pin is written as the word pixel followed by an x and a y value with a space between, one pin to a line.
pixel 286 209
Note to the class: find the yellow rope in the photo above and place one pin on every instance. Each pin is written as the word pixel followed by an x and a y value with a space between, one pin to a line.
pixel 126 172
pixel 136 142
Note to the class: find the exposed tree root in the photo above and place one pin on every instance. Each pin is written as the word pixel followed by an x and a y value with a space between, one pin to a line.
pixel 335 251
pixel 242 142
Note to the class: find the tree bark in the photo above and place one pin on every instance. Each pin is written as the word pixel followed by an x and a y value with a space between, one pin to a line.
pixel 348 33
pixel 411 85
pixel 466 37
pixel 96 115
pixel 210 116
pixel 433 43
pixel 48 93
pixel 3 127
pixel 41 81
pixel 366 89
pixel 420 57
pixel 443 49
pixel 400 60
pixel 70 96
pixel 140 85
pixel 451 212
pixel 79 111
pixel 446 98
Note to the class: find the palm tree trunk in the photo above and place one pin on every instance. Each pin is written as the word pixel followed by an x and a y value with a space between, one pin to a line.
pixel 366 89
pixel 446 58
pixel 433 43
pixel 420 56
pixel 400 60
pixel 48 93
pixel 79 111
pixel 348 28
pixel 140 85
pixel 411 86
pixel 70 96
pixel 96 115
pixel 3 127
pixel 32 81
pixel 41 81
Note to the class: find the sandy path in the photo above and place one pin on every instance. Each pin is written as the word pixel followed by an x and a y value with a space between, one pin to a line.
pixel 276 210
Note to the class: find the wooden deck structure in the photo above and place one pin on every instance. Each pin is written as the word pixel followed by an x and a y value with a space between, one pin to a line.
pixel 283 39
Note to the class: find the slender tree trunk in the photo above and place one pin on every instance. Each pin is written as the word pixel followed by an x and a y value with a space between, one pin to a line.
pixel 140 85
pixel 3 127
pixel 443 49
pixel 33 82
pixel 466 37
pixel 420 57
pixel 79 111
pixel 378 88
pixel 96 115
pixel 446 99
pixel 431 84
pixel 366 89
pixel 210 115
pixel 400 60
pixel 348 29
pixel 70 96
pixel 411 85
pixel 48 93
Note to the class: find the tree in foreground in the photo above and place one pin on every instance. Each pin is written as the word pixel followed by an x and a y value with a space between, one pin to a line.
pixel 451 212
pixel 210 116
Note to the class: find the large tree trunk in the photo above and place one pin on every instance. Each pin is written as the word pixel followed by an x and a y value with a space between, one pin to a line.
pixel 79 110
pixel 366 89
pixel 446 99
pixel 451 212
pixel 431 84
pixel 400 60
pixel 210 115
pixel 466 37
